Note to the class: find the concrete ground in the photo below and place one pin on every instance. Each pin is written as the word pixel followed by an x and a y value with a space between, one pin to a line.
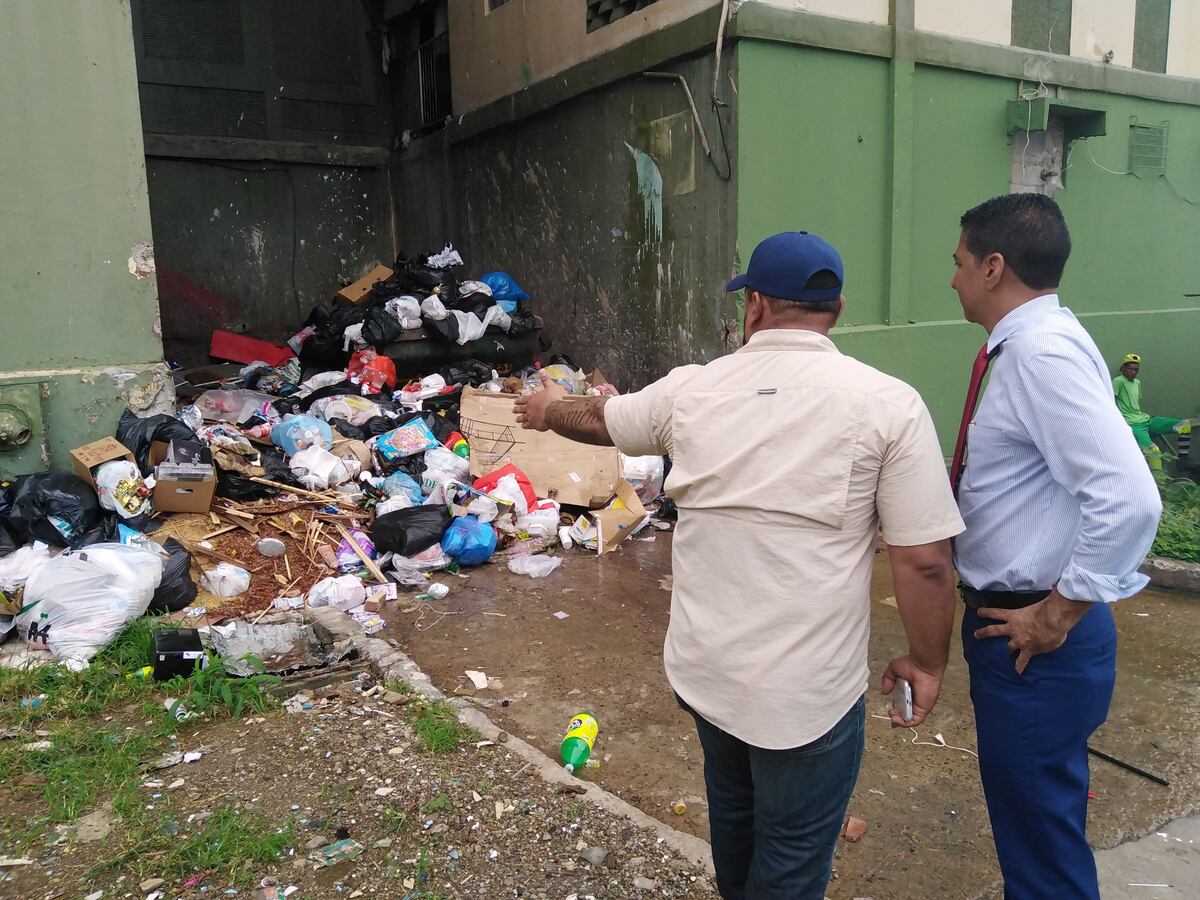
pixel 1160 866
pixel 928 833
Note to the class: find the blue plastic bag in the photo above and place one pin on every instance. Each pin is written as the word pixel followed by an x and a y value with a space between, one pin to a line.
pixel 469 542
pixel 296 433
pixel 505 290
pixel 402 483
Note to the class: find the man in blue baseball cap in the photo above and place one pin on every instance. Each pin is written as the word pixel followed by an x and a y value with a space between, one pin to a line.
pixel 787 459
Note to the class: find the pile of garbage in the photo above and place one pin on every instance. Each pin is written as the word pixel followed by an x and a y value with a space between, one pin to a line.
pixel 363 484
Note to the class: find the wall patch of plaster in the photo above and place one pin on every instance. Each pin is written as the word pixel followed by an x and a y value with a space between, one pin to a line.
pixel 141 259
pixel 650 186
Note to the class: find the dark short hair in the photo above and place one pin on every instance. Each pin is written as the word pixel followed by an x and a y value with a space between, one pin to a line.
pixel 822 280
pixel 1028 230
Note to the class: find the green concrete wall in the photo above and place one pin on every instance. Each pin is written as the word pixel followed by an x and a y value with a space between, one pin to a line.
pixel 76 322
pixel 801 116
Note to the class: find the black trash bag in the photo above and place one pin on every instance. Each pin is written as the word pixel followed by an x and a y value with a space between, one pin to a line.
pixel 523 322
pixel 447 407
pixel 323 350
pixel 470 371
pixel 137 434
pixel 176 590
pixel 38 497
pixel 380 327
pixel 410 531
pixel 377 425
pixel 7 542
pixel 106 531
pixel 346 430
pixel 239 487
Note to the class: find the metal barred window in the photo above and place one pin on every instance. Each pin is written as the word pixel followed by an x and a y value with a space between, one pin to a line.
pixel 605 12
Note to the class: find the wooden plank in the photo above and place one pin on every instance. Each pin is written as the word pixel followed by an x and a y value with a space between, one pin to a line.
pixel 371 565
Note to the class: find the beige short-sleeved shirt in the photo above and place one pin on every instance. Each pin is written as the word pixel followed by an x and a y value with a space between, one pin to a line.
pixel 786 456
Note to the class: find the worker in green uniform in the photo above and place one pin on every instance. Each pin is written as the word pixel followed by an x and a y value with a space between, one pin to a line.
pixel 1128 392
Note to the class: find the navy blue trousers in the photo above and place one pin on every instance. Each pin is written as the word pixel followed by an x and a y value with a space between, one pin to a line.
pixel 1033 731
pixel 775 814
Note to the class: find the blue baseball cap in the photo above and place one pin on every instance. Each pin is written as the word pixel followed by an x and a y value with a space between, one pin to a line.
pixel 782 265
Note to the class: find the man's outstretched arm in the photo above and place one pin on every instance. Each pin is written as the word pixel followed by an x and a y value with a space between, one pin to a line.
pixel 579 420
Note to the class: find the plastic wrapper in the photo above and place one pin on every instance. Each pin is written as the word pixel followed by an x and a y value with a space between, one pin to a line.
pixel 296 433
pixel 76 603
pixel 16 568
pixel 226 580
pixel 176 590
pixel 410 531
pixel 467 288
pixel 399 483
pixel 137 435
pixel 55 507
pixel 573 381
pixel 645 474
pixel 348 561
pixel 484 509
pixel 353 409
pixel 317 468
pixel 429 560
pixel 344 592
pixel 190 416
pixel 234 406
pixel 322 380
pixel 120 487
pixel 448 258
pixel 534 566
pixel 441 466
pixel 407 440
pixel 469 542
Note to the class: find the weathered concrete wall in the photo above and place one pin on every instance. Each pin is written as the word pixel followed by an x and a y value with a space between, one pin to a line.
pixel 609 214
pixel 80 330
pixel 254 246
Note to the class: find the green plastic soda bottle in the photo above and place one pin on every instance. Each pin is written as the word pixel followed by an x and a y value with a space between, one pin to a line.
pixel 578 741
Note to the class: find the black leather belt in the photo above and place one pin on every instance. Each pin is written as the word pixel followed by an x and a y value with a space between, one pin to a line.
pixel 977 599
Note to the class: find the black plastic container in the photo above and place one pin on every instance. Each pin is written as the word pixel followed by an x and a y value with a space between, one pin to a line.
pixel 175 652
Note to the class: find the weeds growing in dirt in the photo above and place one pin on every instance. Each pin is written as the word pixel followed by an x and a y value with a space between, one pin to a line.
pixel 437 726
pixel 1179 528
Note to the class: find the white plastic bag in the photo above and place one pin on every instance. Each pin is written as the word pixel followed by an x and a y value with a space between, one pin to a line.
pixel 425 561
pixel 317 468
pixel 354 409
pixel 344 592
pixel 644 474
pixel 16 568
pixel 447 258
pixel 406 310
pixel 441 465
pixel 75 603
pixel 471 327
pixel 484 509
pixel 433 308
pixel 226 580
pixel 124 501
pixel 393 503
pixel 508 490
pixel 324 379
pixel 534 566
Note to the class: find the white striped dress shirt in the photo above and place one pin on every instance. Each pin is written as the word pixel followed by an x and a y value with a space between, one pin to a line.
pixel 1055 490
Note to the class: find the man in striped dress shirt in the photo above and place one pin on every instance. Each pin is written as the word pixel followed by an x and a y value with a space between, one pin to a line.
pixel 1060 510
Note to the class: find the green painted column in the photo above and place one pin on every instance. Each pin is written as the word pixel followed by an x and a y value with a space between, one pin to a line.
pixel 903 16
pixel 79 335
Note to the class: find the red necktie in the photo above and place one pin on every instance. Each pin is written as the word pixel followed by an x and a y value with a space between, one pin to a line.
pixel 978 370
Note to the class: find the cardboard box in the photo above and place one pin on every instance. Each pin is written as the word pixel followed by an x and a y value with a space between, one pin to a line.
pixel 619 519
pixel 87 457
pixel 566 471
pixel 180 496
pixel 353 294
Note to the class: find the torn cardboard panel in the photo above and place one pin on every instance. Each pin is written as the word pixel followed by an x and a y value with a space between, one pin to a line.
pixel 354 293
pixel 569 472
pixel 620 519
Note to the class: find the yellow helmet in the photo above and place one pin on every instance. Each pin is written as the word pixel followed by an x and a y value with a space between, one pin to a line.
pixel 1132 358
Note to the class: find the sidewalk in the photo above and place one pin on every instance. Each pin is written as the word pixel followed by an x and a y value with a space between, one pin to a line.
pixel 1165 864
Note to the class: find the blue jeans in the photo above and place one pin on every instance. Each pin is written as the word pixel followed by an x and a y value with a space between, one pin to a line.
pixel 1033 731
pixel 775 815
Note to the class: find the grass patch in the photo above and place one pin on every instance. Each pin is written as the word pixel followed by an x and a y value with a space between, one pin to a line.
pixel 440 803
pixel 232 843
pixel 1178 534
pixel 394 821
pixel 215 687
pixel 437 726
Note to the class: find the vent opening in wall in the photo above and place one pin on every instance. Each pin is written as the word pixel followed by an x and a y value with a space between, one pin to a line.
pixel 605 12
pixel 1147 148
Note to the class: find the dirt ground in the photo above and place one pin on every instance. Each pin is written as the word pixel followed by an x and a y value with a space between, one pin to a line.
pixel 928 834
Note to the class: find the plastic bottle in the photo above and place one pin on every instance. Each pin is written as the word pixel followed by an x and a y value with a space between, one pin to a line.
pixel 577 742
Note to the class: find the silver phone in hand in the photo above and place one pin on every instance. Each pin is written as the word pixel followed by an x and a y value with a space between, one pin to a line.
pixel 902 699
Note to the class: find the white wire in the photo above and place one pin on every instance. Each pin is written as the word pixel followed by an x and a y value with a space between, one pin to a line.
pixel 1098 166
pixel 941 742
